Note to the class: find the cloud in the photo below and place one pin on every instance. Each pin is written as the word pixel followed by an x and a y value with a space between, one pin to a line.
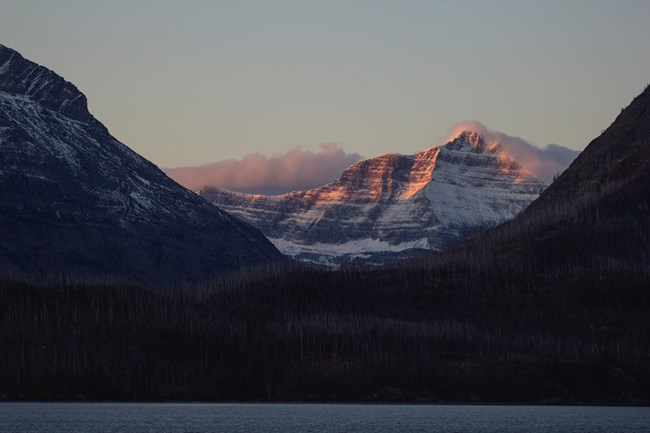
pixel 295 170
pixel 544 163
pixel 299 169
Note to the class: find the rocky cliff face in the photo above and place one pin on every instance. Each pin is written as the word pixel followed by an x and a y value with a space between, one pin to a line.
pixel 75 200
pixel 392 203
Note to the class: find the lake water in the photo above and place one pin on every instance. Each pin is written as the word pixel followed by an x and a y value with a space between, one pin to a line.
pixel 315 418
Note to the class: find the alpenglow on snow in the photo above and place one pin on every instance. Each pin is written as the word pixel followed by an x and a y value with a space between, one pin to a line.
pixel 392 204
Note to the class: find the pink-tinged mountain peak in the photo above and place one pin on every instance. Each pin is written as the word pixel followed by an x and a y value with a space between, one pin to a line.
pixel 392 203
pixel 472 141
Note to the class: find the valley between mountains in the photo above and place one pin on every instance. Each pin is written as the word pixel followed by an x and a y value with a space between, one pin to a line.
pixel 475 281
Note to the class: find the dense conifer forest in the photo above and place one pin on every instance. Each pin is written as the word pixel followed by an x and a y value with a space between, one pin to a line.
pixel 463 333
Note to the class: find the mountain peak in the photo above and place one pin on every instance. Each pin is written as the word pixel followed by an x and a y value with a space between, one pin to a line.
pixel 468 141
pixel 392 203
pixel 19 76
pixel 473 137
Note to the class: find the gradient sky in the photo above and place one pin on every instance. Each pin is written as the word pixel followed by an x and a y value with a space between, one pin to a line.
pixel 187 83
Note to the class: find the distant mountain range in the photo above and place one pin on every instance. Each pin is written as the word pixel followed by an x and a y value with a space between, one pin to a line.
pixel 392 204
pixel 75 200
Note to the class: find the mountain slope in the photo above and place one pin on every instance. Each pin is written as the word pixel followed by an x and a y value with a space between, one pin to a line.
pixel 393 202
pixel 594 219
pixel 612 162
pixel 76 200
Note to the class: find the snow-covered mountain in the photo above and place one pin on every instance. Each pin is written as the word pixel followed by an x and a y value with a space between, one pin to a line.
pixel 75 200
pixel 392 203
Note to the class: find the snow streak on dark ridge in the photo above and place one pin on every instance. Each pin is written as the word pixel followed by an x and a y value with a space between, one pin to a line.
pixel 74 200
pixel 19 76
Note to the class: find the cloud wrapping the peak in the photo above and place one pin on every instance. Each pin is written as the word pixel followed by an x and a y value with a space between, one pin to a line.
pixel 543 163
pixel 299 169
pixel 294 170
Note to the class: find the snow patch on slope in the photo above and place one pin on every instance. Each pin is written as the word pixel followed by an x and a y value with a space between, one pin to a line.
pixel 357 246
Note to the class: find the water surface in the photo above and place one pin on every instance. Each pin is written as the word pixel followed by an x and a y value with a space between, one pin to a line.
pixel 315 418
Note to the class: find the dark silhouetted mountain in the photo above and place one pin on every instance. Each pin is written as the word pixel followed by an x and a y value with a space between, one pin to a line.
pixel 392 203
pixel 75 200
pixel 613 163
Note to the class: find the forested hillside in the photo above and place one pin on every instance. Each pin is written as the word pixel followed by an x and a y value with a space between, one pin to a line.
pixel 303 335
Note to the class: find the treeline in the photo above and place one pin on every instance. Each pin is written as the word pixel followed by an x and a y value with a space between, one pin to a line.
pixel 350 335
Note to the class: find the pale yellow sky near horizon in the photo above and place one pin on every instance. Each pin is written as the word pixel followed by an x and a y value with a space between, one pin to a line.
pixel 195 82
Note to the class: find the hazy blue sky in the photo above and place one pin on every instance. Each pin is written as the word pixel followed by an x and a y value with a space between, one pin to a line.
pixel 191 82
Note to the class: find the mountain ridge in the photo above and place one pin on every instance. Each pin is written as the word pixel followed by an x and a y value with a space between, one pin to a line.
pixel 43 86
pixel 593 217
pixel 393 202
pixel 76 200
pixel 619 155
